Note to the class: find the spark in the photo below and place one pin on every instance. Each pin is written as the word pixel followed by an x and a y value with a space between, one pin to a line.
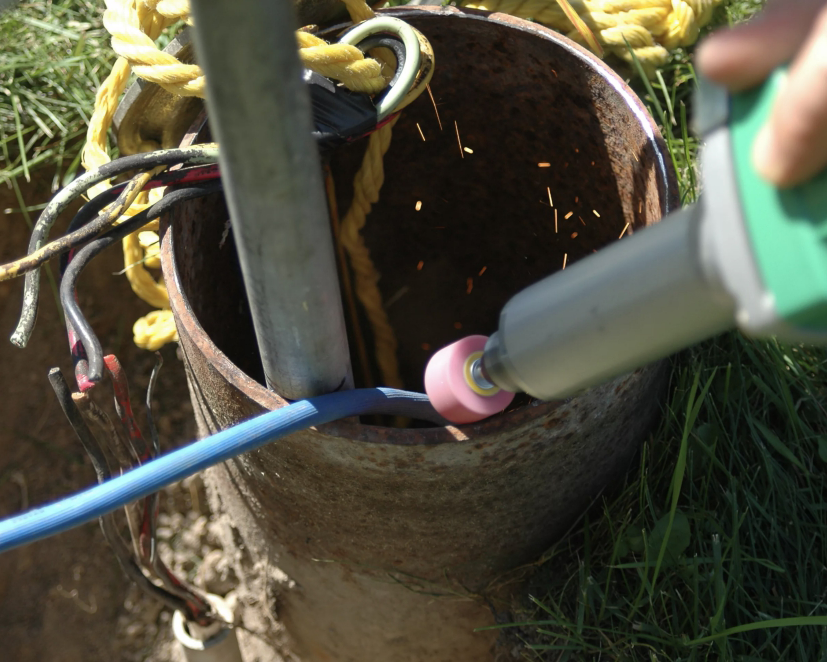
pixel 431 94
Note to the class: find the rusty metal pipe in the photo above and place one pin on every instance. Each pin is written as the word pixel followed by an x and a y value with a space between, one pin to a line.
pixel 391 544
pixel 260 113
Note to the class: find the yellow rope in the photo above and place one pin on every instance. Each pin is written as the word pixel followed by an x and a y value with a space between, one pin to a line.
pixel 135 25
pixel 366 186
pixel 651 27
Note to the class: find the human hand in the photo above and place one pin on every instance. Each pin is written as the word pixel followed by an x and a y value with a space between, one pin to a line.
pixel 792 146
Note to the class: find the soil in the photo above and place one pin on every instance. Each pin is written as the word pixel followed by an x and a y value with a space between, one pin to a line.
pixel 65 598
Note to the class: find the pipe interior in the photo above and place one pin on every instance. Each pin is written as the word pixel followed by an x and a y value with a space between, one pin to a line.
pixel 507 101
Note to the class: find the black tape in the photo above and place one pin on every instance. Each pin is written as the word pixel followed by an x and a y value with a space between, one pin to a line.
pixel 340 115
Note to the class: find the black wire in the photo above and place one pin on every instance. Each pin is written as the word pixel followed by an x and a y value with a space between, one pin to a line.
pixel 195 607
pixel 86 215
pixel 40 233
pixel 90 444
pixel 107 522
pixel 150 419
pixel 67 285
pixel 91 209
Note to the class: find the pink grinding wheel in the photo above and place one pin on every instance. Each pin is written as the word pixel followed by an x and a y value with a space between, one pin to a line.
pixel 449 390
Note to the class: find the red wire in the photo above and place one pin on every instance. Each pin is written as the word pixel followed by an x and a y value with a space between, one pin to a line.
pixel 198 608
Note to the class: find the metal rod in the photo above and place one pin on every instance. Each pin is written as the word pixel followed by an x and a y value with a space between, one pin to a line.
pixel 260 114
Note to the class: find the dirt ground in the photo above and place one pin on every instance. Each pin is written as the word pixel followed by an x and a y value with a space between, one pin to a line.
pixel 65 598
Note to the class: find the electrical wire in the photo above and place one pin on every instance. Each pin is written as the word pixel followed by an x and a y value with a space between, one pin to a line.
pixel 116 445
pixel 195 155
pixel 87 214
pixel 78 411
pixel 91 209
pixel 197 608
pixel 103 220
pixel 144 529
pixel 71 308
pixel 87 440
pixel 150 419
pixel 123 406
pixel 144 534
pixel 84 506
pixel 118 448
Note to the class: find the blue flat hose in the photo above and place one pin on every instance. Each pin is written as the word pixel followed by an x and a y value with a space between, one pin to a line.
pixel 90 504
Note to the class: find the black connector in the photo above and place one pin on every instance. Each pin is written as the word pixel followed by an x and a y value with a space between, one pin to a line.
pixel 339 115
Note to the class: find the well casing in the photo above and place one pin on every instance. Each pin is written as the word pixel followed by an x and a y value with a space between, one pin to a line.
pixel 372 543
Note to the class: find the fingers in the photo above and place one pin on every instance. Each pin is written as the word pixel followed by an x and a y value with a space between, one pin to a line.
pixel 745 55
pixel 792 147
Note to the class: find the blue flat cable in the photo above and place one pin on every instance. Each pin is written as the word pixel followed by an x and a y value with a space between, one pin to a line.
pixel 94 502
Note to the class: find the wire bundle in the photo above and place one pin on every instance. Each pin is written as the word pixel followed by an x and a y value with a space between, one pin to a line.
pixel 94 228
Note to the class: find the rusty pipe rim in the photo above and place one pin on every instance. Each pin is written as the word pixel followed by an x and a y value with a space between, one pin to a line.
pixel 258 393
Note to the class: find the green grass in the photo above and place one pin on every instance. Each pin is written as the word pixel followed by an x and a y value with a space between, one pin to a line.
pixel 716 548
pixel 54 57
pixel 723 529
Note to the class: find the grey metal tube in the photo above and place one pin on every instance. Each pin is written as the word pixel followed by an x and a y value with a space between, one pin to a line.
pixel 260 114
pixel 636 301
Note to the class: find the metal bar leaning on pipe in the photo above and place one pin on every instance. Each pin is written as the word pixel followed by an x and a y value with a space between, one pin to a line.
pixel 260 113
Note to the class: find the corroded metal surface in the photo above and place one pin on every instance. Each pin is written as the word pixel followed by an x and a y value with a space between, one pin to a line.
pixel 389 537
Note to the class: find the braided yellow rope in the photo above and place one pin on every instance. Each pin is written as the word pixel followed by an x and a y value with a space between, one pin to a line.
pixel 366 186
pixel 651 27
pixel 135 25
